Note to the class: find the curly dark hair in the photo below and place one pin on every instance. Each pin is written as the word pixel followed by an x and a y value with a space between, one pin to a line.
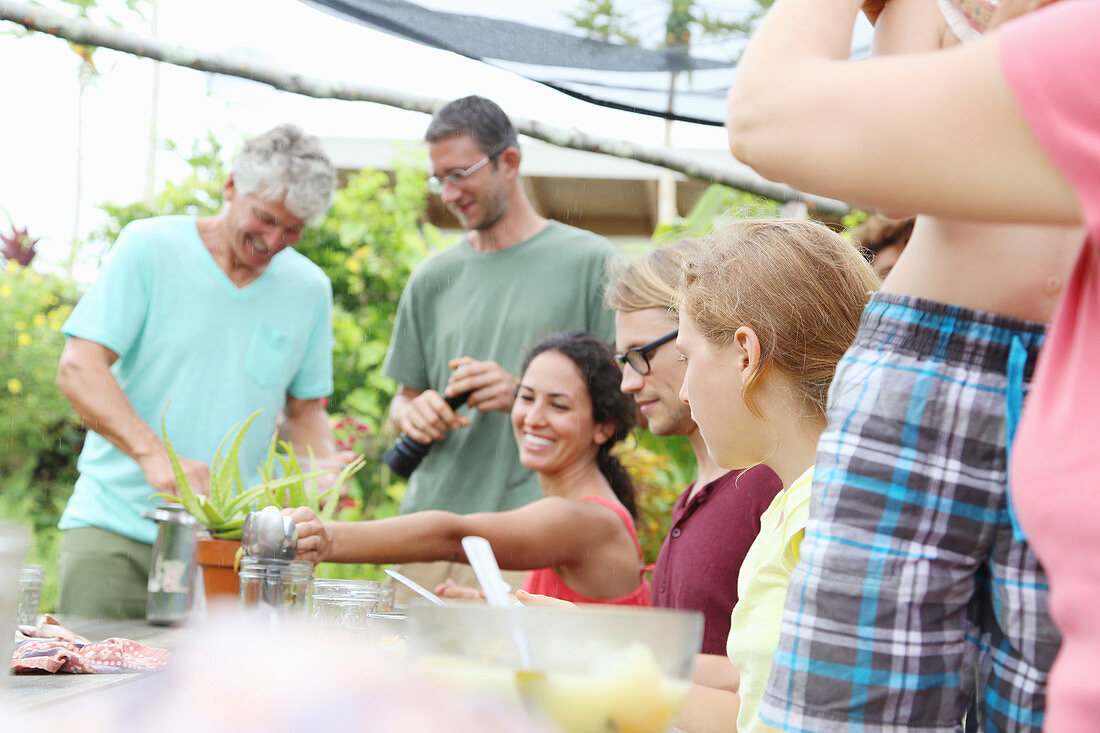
pixel 596 361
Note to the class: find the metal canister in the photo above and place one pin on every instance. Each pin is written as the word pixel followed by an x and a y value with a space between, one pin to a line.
pixel 172 577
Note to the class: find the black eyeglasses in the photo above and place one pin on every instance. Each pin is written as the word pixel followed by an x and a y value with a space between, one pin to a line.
pixel 638 357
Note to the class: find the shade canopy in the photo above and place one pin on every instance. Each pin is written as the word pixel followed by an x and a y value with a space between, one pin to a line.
pixel 661 83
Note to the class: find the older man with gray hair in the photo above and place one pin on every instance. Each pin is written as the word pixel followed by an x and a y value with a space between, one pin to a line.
pixel 218 316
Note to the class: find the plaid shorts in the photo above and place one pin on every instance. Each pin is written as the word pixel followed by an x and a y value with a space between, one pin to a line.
pixel 914 599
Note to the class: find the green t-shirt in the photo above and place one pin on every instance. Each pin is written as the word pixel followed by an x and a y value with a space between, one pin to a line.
pixel 183 332
pixel 491 306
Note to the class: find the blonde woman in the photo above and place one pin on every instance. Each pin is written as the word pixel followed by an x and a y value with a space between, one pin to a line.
pixel 767 308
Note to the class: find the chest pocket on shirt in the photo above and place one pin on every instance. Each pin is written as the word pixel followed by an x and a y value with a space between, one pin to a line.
pixel 268 354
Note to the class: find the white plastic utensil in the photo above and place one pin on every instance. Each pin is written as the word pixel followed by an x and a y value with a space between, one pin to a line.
pixel 480 554
pixel 416 587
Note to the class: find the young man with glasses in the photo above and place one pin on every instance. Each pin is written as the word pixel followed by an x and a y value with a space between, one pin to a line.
pixel 469 312
pixel 717 518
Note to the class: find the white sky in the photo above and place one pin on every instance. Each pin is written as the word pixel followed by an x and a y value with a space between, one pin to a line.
pixel 38 79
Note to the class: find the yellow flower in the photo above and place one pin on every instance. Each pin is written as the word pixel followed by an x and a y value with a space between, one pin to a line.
pixel 39 320
pixel 15 386
pixel 52 300
pixel 353 265
pixel 13 266
pixel 5 291
pixel 24 339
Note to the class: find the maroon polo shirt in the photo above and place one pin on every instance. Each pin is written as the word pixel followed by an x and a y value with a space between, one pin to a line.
pixel 701 557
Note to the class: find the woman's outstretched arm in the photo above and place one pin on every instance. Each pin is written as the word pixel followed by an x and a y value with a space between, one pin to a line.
pixel 548 532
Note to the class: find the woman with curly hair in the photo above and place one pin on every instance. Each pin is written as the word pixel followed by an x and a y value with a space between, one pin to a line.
pixel 579 539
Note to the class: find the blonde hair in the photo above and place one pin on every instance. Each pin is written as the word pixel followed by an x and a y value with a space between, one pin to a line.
pixel 651 281
pixel 799 286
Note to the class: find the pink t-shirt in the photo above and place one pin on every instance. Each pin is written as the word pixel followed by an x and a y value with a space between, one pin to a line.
pixel 1051 60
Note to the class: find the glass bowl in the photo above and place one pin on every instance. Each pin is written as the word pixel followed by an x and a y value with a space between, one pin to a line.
pixel 588 669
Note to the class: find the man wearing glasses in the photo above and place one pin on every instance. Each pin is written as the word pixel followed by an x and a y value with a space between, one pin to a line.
pixel 469 313
pixel 717 518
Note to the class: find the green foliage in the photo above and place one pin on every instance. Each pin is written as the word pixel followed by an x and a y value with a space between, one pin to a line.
pixel 686 16
pixel 682 21
pixel 602 22
pixel 851 220
pixel 32 309
pixel 197 194
pixel 40 435
pixel 368 245
pixel 661 467
pixel 717 204
pixel 376 492
pixel 86 9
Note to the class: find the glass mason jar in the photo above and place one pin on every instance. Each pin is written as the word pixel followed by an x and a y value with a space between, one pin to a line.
pixel 30 594
pixel 349 604
pixel 173 572
pixel 276 584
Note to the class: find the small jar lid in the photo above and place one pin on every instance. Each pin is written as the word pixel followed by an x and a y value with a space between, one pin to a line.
pixel 171 512
pixel 265 566
pixel 31 574
pixel 338 588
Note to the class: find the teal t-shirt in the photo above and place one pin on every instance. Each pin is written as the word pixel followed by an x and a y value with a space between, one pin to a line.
pixel 183 332
pixel 491 306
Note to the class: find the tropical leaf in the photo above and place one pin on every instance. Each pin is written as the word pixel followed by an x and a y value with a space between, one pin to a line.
pixel 233 457
pixel 220 482
pixel 326 504
pixel 186 496
pixel 241 502
pixel 296 491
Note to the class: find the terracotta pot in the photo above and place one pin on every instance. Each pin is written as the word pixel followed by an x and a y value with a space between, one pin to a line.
pixel 219 570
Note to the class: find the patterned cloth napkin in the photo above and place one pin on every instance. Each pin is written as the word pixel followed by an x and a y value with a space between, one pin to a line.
pixel 49 647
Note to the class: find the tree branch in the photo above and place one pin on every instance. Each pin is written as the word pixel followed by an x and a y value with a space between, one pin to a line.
pixel 79 31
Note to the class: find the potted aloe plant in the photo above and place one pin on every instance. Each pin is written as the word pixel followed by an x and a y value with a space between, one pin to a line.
pixel 223 512
pixel 300 488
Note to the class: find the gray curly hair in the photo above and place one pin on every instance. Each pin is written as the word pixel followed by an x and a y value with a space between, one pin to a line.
pixel 285 160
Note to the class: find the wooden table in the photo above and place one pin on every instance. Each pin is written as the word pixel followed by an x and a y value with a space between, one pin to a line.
pixel 30 691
